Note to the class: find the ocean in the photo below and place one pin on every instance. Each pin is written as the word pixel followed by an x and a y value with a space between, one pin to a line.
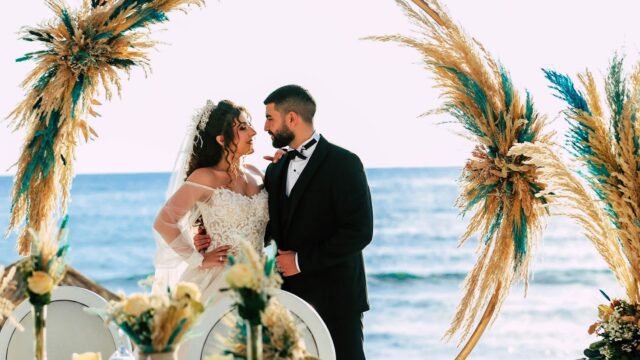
pixel 415 267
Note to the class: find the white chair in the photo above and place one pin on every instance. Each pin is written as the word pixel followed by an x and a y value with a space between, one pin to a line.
pixel 211 326
pixel 69 328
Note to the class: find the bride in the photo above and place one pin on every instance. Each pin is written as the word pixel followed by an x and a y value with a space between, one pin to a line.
pixel 214 190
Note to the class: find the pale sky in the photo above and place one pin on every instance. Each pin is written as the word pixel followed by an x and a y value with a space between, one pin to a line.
pixel 369 94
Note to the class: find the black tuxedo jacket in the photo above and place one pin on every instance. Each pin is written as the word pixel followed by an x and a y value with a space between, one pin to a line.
pixel 328 220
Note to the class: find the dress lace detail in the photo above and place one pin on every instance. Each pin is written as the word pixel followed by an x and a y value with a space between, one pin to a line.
pixel 230 217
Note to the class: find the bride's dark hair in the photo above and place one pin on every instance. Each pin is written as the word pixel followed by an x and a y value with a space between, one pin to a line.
pixel 206 149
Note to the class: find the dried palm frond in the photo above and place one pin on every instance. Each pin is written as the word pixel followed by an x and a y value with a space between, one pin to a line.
pixel 609 148
pixel 6 306
pixel 83 52
pixel 497 187
pixel 568 195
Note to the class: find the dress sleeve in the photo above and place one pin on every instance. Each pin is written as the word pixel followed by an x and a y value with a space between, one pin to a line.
pixel 174 223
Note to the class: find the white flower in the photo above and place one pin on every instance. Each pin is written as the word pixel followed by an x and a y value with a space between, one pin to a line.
pixel 157 301
pixel 241 276
pixel 40 282
pixel 136 304
pixel 184 289
pixel 86 356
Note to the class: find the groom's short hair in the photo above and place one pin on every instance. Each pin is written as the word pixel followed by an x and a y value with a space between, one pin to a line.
pixel 293 98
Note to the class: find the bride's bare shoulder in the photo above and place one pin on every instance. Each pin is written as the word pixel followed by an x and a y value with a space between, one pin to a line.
pixel 253 170
pixel 207 177
pixel 254 175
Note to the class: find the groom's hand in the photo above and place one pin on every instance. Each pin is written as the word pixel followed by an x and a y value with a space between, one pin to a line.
pixel 287 263
pixel 201 240
pixel 276 157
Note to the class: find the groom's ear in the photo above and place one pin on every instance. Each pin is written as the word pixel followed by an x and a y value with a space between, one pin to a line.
pixel 220 140
pixel 292 118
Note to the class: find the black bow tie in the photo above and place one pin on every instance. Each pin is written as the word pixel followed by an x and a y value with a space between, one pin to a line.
pixel 295 153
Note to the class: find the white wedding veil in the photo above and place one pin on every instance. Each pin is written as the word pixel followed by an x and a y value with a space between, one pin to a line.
pixel 175 255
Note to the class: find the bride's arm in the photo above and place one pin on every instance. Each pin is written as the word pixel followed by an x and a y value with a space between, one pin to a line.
pixel 170 225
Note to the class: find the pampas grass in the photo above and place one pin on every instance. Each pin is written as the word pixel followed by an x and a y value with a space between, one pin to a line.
pixel 83 52
pixel 498 188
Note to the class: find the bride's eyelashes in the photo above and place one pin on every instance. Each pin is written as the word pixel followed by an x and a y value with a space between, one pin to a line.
pixel 244 126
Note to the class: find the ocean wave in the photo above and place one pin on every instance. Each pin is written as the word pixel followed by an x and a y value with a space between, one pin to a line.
pixel 592 277
pixel 133 278
pixel 400 276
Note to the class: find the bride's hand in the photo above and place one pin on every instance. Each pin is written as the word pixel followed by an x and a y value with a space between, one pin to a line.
pixel 276 157
pixel 217 257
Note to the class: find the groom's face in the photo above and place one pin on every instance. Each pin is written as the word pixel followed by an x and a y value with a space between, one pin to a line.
pixel 276 125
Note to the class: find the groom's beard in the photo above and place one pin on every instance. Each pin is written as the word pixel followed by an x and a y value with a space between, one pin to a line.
pixel 282 137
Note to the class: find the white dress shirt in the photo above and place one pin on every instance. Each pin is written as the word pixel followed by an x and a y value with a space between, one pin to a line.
pixel 296 165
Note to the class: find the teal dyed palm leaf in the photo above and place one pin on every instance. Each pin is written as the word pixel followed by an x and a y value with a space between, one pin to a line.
pixel 174 334
pixel 38 35
pixel 42 153
pixel 566 91
pixel 579 134
pixel 616 90
pixel 269 266
pixel 66 20
pixel 43 81
pixel 495 224
pixel 471 89
pixel 462 113
pixel 148 17
pixel 527 134
pixel 478 195
pixel 31 55
pixel 520 237
pixel 507 87
pixel 76 93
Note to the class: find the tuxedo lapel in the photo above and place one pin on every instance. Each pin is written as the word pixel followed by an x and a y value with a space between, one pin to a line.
pixel 277 180
pixel 307 174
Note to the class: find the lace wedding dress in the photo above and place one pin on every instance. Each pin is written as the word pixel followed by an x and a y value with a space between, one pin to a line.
pixel 227 216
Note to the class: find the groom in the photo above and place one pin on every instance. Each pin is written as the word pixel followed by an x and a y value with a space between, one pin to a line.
pixel 320 217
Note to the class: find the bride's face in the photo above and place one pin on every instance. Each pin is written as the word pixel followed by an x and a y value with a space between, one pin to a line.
pixel 244 134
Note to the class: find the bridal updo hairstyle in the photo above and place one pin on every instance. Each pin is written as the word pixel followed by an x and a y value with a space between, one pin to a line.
pixel 206 150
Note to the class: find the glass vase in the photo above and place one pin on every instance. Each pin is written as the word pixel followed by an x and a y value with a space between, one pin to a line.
pixel 172 355
pixel 39 331
pixel 254 341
